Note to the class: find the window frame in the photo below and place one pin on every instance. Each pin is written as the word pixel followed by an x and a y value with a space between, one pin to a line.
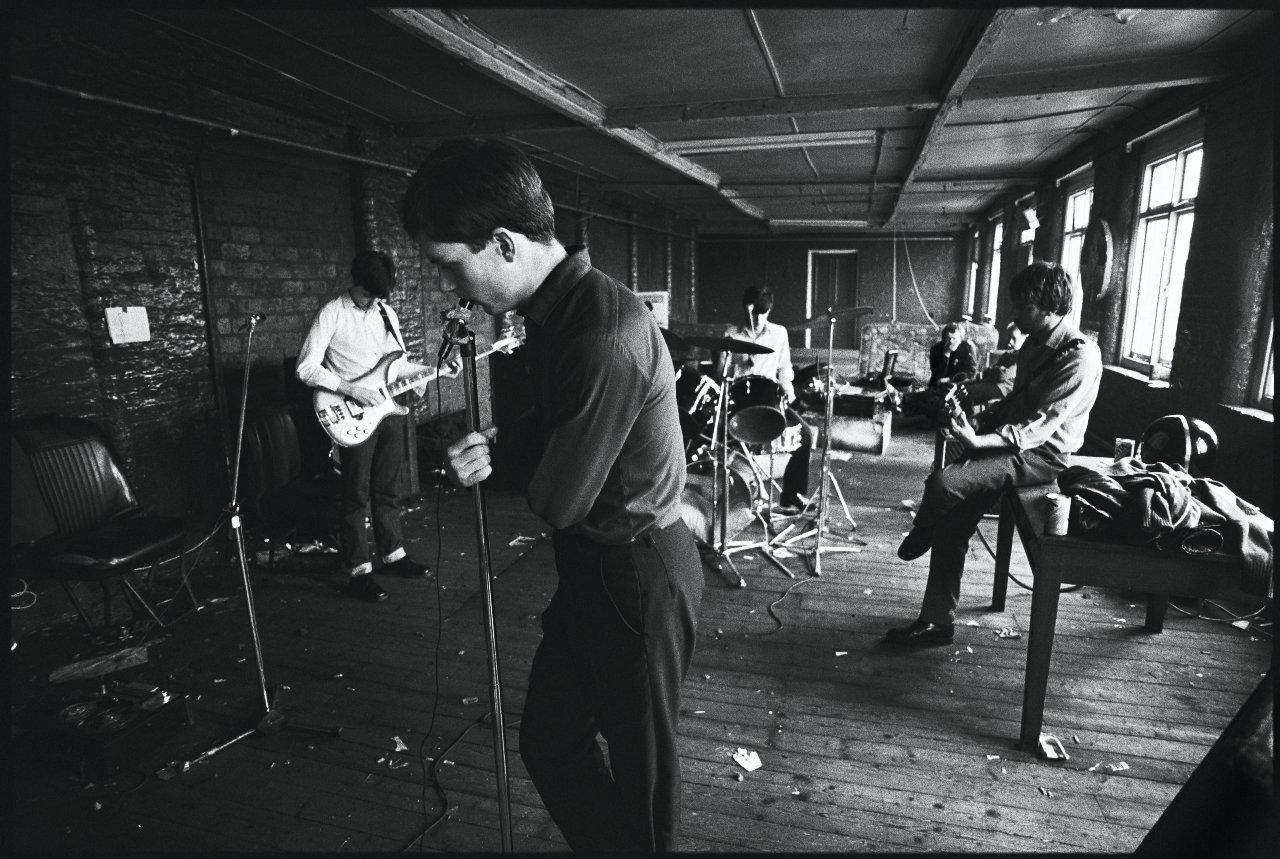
pixel 971 277
pixel 1080 185
pixel 1176 143
pixel 994 267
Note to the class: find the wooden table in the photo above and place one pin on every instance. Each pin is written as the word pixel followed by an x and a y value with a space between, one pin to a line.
pixel 1058 560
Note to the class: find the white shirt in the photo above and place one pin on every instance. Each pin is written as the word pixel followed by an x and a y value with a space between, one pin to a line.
pixel 346 342
pixel 775 365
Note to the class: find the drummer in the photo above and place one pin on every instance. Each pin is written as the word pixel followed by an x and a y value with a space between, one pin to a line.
pixel 757 301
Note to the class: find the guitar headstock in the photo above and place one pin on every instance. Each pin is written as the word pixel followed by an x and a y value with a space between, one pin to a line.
pixel 509 342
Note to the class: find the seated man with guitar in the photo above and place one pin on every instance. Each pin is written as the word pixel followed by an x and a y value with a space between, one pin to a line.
pixel 353 358
pixel 1023 440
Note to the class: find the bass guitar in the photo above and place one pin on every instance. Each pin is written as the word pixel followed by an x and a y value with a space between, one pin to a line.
pixel 348 423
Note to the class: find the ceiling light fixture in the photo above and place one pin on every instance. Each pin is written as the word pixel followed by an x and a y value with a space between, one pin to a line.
pixel 771 141
pixel 816 224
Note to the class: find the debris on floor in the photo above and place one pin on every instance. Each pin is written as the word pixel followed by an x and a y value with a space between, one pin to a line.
pixel 99 665
pixel 400 746
pixel 1051 749
pixel 1008 632
pixel 748 759
pixel 471 700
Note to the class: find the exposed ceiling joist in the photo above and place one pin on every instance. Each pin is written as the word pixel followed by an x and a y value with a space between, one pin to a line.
pixel 772 141
pixel 959 184
pixel 1133 74
pixel 799 105
pixel 977 45
pixel 452 34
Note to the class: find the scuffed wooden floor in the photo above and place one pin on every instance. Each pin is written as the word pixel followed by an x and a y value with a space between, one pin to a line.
pixel 864 747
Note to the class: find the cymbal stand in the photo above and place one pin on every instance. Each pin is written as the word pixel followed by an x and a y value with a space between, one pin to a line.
pixel 272 719
pixel 767 545
pixel 720 485
pixel 819 521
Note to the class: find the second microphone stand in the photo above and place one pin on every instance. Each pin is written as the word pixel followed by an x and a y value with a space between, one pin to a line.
pixel 466 342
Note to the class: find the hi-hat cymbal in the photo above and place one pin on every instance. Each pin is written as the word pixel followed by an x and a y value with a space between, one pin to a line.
pixel 675 342
pixel 835 313
pixel 728 344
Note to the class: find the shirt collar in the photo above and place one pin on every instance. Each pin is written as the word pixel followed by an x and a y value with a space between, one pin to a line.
pixel 1059 333
pixel 349 302
pixel 557 284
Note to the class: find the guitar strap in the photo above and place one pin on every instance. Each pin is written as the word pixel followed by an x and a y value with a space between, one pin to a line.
pixel 386 320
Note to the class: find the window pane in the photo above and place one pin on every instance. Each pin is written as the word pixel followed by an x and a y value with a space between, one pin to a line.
pixel 997 235
pixel 1071 255
pixel 1268 379
pixel 1191 174
pixel 1173 297
pixel 1148 295
pixel 1078 217
pixel 994 288
pixel 1160 183
pixel 971 288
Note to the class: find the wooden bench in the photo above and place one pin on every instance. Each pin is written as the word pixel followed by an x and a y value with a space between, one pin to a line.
pixel 1058 560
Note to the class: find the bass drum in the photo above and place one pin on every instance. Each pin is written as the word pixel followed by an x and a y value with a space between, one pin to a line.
pixel 756 410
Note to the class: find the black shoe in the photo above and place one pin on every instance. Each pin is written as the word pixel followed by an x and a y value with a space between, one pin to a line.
pixel 366 588
pixel 915 544
pixel 407 568
pixel 921 632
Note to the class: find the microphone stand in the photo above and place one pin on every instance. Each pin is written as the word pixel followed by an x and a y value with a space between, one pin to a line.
pixel 272 719
pixel 467 349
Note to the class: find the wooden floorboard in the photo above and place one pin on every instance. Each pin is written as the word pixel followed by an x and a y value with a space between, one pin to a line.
pixel 865 747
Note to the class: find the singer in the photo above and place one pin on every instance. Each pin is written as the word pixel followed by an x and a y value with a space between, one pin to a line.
pixel 348 337
pixel 601 461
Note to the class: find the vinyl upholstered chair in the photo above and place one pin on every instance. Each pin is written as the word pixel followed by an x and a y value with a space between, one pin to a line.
pixel 100 534
pixel 284 497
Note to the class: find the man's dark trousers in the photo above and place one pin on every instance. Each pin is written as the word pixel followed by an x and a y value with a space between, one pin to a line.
pixel 617 640
pixel 371 474
pixel 955 499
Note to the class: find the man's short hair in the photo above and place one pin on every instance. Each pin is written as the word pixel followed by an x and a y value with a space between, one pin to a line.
pixel 759 297
pixel 373 271
pixel 1044 284
pixel 953 326
pixel 466 189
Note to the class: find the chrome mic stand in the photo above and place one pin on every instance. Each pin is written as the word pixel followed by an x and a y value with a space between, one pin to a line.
pixel 820 519
pixel 466 342
pixel 272 719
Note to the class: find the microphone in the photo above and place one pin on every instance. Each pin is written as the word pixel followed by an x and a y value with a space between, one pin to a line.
pixel 253 320
pixel 455 323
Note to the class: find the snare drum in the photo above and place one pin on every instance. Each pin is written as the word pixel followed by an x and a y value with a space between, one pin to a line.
pixel 756 410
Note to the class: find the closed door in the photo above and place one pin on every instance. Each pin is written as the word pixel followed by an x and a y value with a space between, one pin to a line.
pixel 833 282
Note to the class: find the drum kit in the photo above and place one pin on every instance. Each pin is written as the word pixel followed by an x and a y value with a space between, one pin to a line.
pixel 728 420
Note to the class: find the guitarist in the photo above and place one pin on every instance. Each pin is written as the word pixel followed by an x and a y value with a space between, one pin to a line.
pixel 348 337
pixel 1022 441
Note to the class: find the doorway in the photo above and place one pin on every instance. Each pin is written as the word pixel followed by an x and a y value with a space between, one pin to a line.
pixel 833 282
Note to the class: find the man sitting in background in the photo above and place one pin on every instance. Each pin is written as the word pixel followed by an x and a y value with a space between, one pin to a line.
pixel 996 381
pixel 951 361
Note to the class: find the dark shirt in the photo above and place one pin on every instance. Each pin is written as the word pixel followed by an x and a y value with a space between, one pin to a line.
pixel 958 366
pixel 608 458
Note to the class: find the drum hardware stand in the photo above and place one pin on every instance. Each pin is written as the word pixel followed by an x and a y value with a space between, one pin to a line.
pixel 456 331
pixel 272 719
pixel 769 543
pixel 819 520
pixel 719 490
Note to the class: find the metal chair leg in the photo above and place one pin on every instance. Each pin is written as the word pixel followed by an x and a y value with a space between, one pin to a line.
pixel 76 603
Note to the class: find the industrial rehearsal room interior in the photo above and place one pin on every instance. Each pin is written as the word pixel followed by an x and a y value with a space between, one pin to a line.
pixel 831 216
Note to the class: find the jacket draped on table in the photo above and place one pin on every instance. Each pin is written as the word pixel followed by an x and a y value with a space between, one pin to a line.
pixel 1163 506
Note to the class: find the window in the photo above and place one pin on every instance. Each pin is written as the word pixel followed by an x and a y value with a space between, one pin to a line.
pixel 971 284
pixel 1027 238
pixel 993 277
pixel 1267 384
pixel 1166 215
pixel 1075 220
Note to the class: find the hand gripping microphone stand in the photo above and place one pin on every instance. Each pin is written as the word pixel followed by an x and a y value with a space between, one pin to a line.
pixel 272 719
pixel 457 333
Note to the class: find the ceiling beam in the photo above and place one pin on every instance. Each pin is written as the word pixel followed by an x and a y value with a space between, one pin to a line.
pixel 1135 74
pixel 976 46
pixel 772 141
pixel 959 183
pixel 453 35
pixel 1132 74
pixel 796 105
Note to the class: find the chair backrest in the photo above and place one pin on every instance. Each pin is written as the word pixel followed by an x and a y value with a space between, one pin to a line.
pixel 77 474
pixel 272 457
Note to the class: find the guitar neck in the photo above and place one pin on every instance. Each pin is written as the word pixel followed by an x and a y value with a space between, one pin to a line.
pixel 402 385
